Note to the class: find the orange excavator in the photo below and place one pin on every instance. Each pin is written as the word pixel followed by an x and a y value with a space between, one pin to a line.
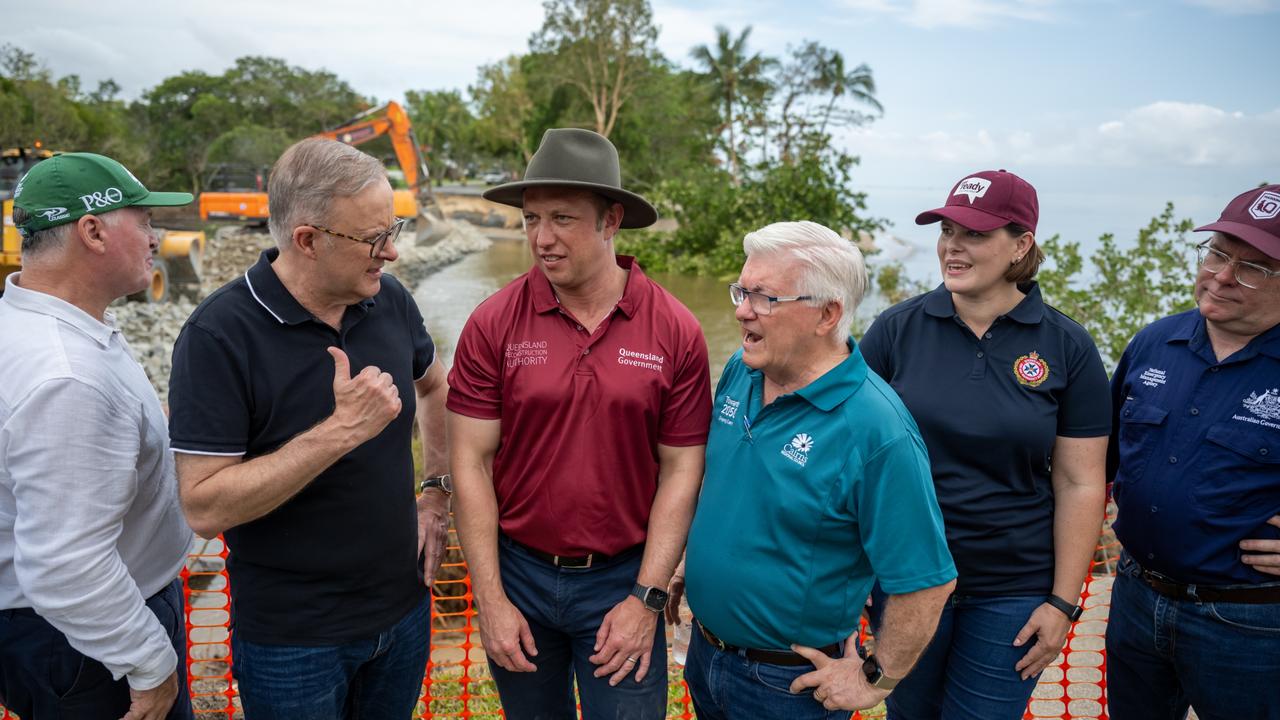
pixel 416 203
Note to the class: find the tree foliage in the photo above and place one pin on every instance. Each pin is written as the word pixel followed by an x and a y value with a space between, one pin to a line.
pixel 1126 288
pixel 602 48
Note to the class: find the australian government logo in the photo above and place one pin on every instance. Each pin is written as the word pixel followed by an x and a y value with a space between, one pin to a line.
pixel 1031 370
pixel 1264 408
pixel 797 451
pixel 526 352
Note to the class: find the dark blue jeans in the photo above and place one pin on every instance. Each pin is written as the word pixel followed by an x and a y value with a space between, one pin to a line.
pixel 564 608
pixel 1165 655
pixel 967 672
pixel 375 679
pixel 727 686
pixel 42 676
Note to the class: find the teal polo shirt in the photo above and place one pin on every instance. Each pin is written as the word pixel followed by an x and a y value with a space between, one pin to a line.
pixel 805 504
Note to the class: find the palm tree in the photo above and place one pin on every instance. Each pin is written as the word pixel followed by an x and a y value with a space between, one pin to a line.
pixel 857 84
pixel 738 79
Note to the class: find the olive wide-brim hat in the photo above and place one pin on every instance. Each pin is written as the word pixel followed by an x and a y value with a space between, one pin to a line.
pixel 579 159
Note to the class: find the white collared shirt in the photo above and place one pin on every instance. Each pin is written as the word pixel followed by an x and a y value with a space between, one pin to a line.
pixel 90 524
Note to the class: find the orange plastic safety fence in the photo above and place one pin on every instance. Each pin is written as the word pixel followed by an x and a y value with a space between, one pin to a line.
pixel 457 683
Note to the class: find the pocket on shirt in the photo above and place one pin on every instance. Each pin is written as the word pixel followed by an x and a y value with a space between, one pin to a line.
pixel 1140 425
pixel 1237 466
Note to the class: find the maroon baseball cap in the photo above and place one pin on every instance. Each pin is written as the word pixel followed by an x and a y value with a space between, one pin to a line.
pixel 987 200
pixel 1254 217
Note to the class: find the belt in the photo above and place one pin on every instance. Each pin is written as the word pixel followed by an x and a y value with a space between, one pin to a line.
pixel 575 561
pixel 771 657
pixel 1256 595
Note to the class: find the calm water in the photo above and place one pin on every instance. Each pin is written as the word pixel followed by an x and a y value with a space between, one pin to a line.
pixel 447 298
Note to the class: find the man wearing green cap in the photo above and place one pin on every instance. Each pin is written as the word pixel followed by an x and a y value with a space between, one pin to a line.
pixel 91 534
pixel 579 405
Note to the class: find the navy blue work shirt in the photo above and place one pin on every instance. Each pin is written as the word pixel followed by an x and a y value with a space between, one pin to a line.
pixel 990 409
pixel 338 561
pixel 1195 453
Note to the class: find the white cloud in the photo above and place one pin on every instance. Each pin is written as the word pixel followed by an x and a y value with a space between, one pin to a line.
pixel 1238 7
pixel 1159 135
pixel 956 13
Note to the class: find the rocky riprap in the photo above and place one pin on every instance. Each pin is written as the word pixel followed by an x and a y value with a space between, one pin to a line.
pixel 152 329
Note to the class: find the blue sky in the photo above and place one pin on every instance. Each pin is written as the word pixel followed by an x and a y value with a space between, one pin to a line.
pixel 1109 108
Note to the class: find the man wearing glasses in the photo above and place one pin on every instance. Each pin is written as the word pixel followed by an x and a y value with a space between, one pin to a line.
pixel 294 393
pixel 1195 460
pixel 578 409
pixel 817 485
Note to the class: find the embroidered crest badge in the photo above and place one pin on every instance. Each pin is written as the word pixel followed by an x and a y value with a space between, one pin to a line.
pixel 1031 369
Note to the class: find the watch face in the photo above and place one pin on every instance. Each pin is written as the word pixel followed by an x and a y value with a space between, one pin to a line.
pixel 656 599
pixel 871 669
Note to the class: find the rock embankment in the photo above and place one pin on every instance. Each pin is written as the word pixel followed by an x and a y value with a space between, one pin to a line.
pixel 152 329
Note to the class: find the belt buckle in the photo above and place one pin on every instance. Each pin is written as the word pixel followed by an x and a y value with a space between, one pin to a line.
pixel 555 560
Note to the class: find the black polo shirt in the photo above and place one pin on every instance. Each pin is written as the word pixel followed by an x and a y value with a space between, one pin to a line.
pixel 989 409
pixel 338 561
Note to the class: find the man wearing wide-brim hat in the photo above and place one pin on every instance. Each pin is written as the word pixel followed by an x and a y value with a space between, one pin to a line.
pixel 1195 464
pixel 579 404
pixel 91 534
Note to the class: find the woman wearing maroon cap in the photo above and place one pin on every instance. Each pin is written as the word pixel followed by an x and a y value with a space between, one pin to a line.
pixel 1012 401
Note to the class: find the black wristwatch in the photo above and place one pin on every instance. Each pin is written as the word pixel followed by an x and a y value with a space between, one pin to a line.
pixel 654 598
pixel 1072 612
pixel 875 674
pixel 439 482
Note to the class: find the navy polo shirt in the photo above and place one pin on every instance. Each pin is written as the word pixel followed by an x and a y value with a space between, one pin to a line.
pixel 990 409
pixel 1195 454
pixel 338 561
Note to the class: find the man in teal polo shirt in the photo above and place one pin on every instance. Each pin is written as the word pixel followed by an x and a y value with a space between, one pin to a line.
pixel 817 484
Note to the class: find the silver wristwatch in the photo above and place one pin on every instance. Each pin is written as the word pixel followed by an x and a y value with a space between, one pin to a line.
pixel 439 482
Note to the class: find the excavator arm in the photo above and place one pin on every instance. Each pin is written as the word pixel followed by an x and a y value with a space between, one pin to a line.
pixel 391 120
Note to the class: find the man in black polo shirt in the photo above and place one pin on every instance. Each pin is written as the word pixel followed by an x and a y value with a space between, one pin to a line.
pixel 293 397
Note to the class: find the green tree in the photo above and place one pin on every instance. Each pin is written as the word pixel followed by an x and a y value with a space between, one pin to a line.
pixel 601 48
pixel 183 115
pixel 815 93
pixel 739 81
pixel 270 92
pixel 1126 289
pixel 668 131
pixel 504 109
pixel 248 145
pixel 713 216
pixel 445 127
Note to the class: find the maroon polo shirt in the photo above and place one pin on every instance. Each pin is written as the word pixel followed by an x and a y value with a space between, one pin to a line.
pixel 582 414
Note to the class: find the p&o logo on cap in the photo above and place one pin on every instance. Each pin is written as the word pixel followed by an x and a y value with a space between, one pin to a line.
pixel 101 199
pixel 1266 206
pixel 973 188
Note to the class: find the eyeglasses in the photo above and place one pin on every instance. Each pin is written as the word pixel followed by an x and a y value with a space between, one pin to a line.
pixel 377 242
pixel 1247 274
pixel 761 304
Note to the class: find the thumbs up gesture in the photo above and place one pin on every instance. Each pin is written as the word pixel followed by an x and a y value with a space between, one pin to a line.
pixel 365 404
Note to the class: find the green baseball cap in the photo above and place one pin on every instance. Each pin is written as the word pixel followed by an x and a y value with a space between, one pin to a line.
pixel 66 187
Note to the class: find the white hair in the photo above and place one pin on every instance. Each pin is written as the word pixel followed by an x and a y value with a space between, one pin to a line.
pixel 831 267
pixel 309 176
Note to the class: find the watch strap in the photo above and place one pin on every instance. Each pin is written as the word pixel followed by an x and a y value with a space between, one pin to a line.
pixel 644 591
pixel 1072 612
pixel 443 483
pixel 875 674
